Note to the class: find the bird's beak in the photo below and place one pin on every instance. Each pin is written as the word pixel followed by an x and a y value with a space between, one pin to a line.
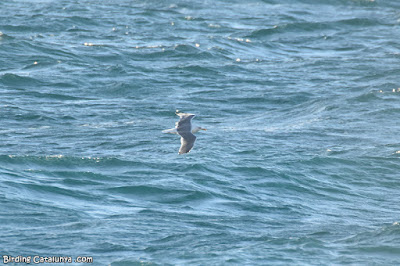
pixel 205 129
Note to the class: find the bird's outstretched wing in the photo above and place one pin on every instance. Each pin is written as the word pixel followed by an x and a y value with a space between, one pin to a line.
pixel 187 142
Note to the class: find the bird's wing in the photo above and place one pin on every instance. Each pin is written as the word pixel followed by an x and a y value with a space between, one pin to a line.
pixel 184 128
pixel 170 131
pixel 185 123
pixel 187 142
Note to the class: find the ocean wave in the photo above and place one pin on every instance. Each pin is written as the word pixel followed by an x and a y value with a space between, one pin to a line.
pixel 10 79
pixel 315 26
pixel 299 164
pixel 160 194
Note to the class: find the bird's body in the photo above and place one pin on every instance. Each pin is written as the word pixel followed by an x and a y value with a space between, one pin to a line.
pixel 184 128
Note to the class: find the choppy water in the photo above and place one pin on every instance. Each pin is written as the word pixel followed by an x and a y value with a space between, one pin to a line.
pixel 300 163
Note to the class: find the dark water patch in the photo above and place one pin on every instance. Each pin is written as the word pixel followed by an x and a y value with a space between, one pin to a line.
pixel 87 21
pixel 317 26
pixel 4 37
pixel 263 33
pixel 290 99
pixel 375 96
pixel 176 52
pixel 379 242
pixel 52 96
pixel 197 70
pixel 362 22
pixel 254 208
pixel 38 211
pixel 186 49
pixel 52 190
pixel 25 28
pixel 253 170
pixel 78 182
pixel 10 79
pixel 81 178
pixel 161 195
pixel 117 70
pixel 151 53
pixel 106 55
pixel 107 247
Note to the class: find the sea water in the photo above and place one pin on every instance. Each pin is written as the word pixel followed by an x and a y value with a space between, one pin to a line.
pixel 299 164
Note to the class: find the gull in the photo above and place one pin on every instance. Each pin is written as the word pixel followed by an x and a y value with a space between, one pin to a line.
pixel 184 128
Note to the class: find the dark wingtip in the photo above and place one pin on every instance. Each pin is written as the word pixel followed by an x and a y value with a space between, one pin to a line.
pixel 179 152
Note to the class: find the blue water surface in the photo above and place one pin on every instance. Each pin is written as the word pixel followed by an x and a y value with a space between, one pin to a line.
pixel 299 165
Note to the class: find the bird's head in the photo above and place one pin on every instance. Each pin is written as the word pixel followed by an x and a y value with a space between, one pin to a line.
pixel 197 129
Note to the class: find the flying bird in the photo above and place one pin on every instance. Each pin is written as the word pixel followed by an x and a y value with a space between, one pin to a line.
pixel 184 128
